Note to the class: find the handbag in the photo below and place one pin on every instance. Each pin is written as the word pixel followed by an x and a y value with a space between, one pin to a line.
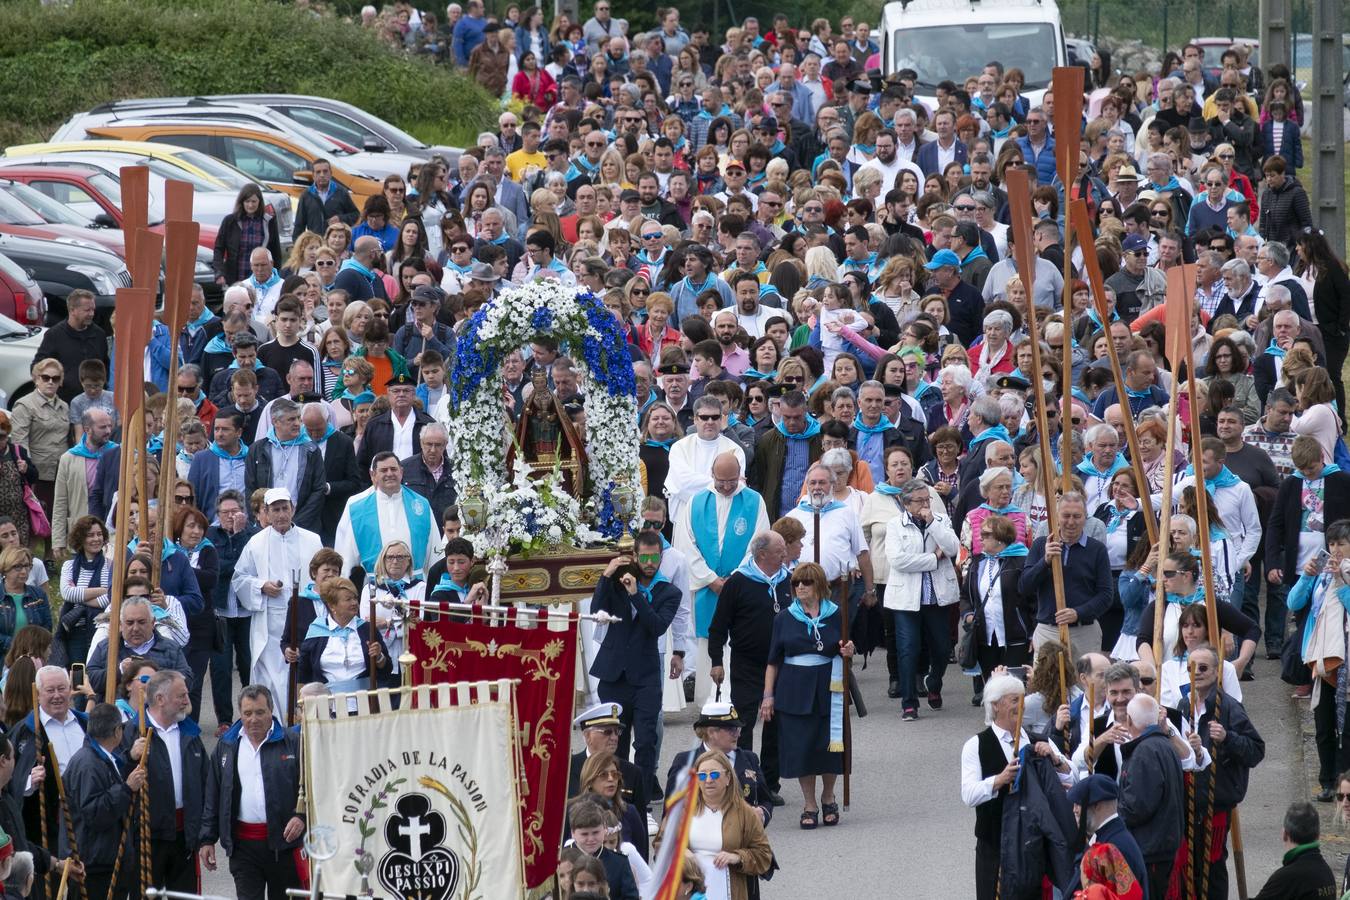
pixel 39 526
pixel 965 647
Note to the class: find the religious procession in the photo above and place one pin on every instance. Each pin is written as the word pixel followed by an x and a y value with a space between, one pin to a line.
pixel 540 514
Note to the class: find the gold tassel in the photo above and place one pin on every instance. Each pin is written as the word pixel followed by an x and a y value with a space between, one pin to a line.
pixel 836 747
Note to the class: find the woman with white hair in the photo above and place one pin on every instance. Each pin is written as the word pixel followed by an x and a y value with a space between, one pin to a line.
pixel 954 384
pixel 840 463
pixel 996 487
pixel 821 267
pixel 993 354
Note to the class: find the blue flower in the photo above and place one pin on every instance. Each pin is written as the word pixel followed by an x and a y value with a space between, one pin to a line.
pixel 542 320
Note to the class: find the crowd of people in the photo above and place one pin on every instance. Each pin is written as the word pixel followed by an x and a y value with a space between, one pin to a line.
pixel 812 267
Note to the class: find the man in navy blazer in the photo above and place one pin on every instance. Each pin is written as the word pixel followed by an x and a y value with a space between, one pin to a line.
pixel 221 465
pixel 628 664
pixel 509 195
pixel 1094 798
pixel 931 157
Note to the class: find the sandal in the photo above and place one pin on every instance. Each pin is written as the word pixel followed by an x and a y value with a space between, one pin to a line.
pixel 831 813
pixel 810 819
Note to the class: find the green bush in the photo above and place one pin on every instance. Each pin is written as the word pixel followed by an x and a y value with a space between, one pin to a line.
pixel 59 60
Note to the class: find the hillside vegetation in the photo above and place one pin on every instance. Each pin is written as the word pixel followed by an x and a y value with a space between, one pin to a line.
pixel 62 59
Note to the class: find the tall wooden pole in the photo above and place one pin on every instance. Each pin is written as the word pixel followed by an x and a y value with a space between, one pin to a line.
pixel 1019 200
pixel 841 595
pixel 180 260
pixel 1067 84
pixel 1083 226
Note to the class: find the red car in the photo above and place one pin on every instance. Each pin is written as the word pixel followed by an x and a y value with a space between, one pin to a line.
pixel 91 192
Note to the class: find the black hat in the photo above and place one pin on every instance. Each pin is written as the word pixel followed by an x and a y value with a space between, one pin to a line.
pixel 1012 383
pixel 303 398
pixel 768 123
pixel 402 378
pixel 774 391
pixel 629 194
pixel 427 293
pixel 1197 125
pixel 1093 789
pixel 718 714
pixel 860 87
pixel 675 368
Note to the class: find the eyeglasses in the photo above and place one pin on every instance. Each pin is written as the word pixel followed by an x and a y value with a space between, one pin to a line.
pixel 49 379
pixel 324 264
pixel 595 143
pixel 1226 156
pixel 188 391
pixel 1201 668
pixel 395 190
pixel 398 557
pixel 708 418
pixel 1147 681
pixel 709 776
pixel 967 208
pixel 1171 573
pixel 180 498
pixel 1341 798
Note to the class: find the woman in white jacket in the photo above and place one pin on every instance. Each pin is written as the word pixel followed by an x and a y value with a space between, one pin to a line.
pixel 921 583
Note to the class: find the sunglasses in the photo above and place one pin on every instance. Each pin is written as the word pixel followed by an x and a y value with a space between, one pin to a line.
pixel 1226 156
pixel 179 498
pixel 1147 681
pixel 322 264
pixel 648 558
pixel 641 292
pixel 1171 573
pixel 49 379
pixel 654 236
pixel 1200 668
pixel 188 391
pixel 1341 798
pixel 968 208
pixel 709 776
pixel 703 418
pixel 799 582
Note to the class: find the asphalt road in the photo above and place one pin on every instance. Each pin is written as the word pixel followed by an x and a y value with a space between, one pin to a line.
pixel 907 834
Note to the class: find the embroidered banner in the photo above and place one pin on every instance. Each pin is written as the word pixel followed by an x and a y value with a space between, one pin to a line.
pixel 422 799
pixel 542 656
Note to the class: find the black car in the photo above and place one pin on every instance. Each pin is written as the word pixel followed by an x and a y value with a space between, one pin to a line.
pixel 61 266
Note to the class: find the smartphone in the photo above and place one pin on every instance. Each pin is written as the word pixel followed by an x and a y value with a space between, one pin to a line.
pixel 77 675
pixel 1322 558
pixel 1021 673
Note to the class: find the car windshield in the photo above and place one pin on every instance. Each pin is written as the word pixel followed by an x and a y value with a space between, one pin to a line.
pixel 223 172
pixel 12 212
pixel 953 52
pixel 46 207
pixel 110 186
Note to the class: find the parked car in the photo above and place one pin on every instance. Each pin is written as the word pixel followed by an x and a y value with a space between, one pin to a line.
pixel 18 342
pixel 271 158
pixel 214 187
pixel 346 123
pixel 60 267
pixel 352 157
pixel 90 192
pixel 20 296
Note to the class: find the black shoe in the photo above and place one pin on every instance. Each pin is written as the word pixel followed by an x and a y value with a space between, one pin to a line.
pixel 689 689
pixel 1272 654
pixel 1326 795
pixel 1248 675
pixel 976 699
pixel 775 799
pixel 934 700
pixel 911 714
pixel 894 690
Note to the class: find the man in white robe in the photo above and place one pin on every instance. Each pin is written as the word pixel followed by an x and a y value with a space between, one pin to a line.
pixel 264 580
pixel 713 531
pixel 691 457
pixel 386 511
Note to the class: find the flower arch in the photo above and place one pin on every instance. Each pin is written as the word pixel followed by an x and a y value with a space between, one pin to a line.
pixel 538 514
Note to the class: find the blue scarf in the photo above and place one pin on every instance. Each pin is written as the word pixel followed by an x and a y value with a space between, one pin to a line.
pixel 708 283
pixel 1096 320
pixel 888 489
pixel 1172 185
pixel 1326 470
pixel 218 344
pixel 581 168
pixel 806 507
pixel 1002 510
pixel 836 662
pixel 169 548
pixel 1224 479
pixel 1089 469
pixel 196 324
pixel 298 440
pixel 447 584
pixel 998 432
pixel 318 629
pixel 463 270
pixel 83 449
pixel 1145 394
pixel 156 443
pixel 1196 596
pixel 328 432
pixel 883 425
pixel 1015 549
pixel 977 253
pixel 664 445
pixel 354 266
pixel 722 559
pixel 756 375
pixel 1275 350
pixel 860 265
pixel 1118 516
pixel 812 429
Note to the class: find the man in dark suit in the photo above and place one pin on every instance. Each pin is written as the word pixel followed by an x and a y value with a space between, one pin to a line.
pixel 342 477
pixel 628 664
pixel 1152 795
pixel 600 727
pixel 718 727
pixel 287 458
pixel 783 455
pixel 388 431
pixel 61 735
pixel 100 787
pixel 1285 328
pixel 1095 797
pixel 933 156
pixel 220 466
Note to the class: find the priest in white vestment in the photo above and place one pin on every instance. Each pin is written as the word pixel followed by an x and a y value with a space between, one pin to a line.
pixel 386 511
pixel 691 457
pixel 264 580
pixel 713 531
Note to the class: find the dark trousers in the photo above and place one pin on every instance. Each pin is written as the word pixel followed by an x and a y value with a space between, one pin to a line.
pixel 1277 614
pixel 929 626
pixel 236 652
pixel 98 880
pixel 986 869
pixel 1111 620
pixel 173 865
pixel 746 696
pixel 1336 352
pixel 1333 749
pixel 990 657
pixel 259 872
pixel 888 635
pixel 199 661
pixel 641 712
pixel 1159 873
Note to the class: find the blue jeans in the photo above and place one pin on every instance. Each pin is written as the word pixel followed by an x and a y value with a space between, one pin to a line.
pixel 928 624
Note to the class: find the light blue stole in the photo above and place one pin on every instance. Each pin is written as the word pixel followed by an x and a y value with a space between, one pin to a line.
pixel 722 559
pixel 366 528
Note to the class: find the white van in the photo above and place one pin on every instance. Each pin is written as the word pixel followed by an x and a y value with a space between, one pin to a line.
pixel 954 39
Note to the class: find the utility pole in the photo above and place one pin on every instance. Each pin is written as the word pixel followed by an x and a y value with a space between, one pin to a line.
pixel 1328 129
pixel 1274 33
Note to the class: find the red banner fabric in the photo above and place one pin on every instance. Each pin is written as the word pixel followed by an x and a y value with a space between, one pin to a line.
pixel 544 663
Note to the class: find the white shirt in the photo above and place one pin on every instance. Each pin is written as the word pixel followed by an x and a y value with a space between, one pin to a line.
pixel 691 459
pixel 700 573
pixel 841 539
pixel 252 795
pixel 286 467
pixel 173 742
pixel 975 788
pixel 343 659
pixel 991 589
pixel 1237 507
pixel 65 737
pixel 403 434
